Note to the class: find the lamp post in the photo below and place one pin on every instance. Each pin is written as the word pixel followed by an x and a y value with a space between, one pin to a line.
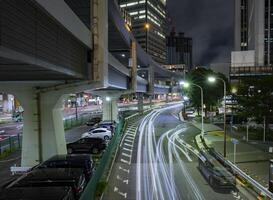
pixel 212 80
pixel 108 99
pixel 186 85
pixel 146 27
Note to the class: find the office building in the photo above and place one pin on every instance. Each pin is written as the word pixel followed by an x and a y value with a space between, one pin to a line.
pixel 253 55
pixel 179 50
pixel 148 18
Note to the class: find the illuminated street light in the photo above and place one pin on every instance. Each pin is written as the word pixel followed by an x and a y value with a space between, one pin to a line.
pixel 212 79
pixel 186 85
pixel 147 26
pixel 234 90
pixel 108 99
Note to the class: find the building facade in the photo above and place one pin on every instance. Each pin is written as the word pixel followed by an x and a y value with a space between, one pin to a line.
pixel 253 33
pixel 179 50
pixel 148 18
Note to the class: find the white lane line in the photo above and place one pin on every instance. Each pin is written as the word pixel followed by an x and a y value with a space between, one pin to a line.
pixel 129 145
pixel 125 161
pixel 131 134
pixel 126 149
pixel 130 137
pixel 126 155
pixel 124 195
pixel 123 169
pixel 127 140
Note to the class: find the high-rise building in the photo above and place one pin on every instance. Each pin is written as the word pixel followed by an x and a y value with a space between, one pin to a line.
pixel 253 38
pixel 179 50
pixel 148 25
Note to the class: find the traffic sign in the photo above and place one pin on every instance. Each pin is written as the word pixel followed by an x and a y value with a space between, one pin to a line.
pixel 234 141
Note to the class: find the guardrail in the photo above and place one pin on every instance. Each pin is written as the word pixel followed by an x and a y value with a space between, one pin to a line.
pixel 237 171
pixel 107 159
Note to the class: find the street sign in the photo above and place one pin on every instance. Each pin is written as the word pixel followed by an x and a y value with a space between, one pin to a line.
pixel 234 141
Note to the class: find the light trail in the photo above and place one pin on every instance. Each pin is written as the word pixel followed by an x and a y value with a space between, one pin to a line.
pixel 155 177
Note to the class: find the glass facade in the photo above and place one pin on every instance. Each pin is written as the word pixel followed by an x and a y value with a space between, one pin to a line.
pixel 148 25
pixel 179 50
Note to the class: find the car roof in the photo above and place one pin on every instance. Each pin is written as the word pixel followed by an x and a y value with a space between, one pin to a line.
pixel 45 176
pixel 69 157
pixel 103 129
pixel 34 193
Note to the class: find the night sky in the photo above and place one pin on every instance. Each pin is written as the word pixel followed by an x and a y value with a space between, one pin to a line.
pixel 209 23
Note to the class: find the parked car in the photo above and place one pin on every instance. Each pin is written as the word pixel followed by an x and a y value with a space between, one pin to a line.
pixel 93 121
pixel 51 177
pixel 87 145
pixel 109 124
pixel 71 161
pixel 102 133
pixel 41 193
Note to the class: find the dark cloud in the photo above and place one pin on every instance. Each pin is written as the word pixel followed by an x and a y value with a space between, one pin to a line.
pixel 209 23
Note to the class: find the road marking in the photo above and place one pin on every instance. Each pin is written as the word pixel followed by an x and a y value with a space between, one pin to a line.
pixel 127 155
pixel 120 193
pixel 123 169
pixel 126 181
pixel 126 149
pixel 127 140
pixel 129 145
pixel 125 161
pixel 129 134
pixel 130 137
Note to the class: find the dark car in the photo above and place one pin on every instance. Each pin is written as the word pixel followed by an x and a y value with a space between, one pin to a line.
pixel 51 177
pixel 217 176
pixel 89 145
pixel 72 161
pixel 93 121
pixel 41 193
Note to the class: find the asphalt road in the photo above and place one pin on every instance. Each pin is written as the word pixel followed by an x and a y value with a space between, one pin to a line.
pixel 153 162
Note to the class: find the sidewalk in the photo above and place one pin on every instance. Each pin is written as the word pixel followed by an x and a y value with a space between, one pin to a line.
pixel 250 158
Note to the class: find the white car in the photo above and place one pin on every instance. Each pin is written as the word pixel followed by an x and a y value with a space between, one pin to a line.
pixel 102 133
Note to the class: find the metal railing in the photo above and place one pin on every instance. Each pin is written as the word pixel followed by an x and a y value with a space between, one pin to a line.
pixel 237 171
pixel 90 190
pixel 10 143
pixel 105 165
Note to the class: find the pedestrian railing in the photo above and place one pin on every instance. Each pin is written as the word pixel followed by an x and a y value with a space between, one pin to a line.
pixel 10 143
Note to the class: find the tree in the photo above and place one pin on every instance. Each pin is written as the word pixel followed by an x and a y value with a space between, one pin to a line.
pixel 255 98
pixel 212 92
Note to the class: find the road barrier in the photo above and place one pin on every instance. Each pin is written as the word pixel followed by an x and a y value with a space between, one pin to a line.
pixel 238 172
pixel 10 143
pixel 106 163
pixel 90 190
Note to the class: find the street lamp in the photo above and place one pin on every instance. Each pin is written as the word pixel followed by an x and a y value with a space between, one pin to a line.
pixel 186 85
pixel 146 27
pixel 108 99
pixel 212 79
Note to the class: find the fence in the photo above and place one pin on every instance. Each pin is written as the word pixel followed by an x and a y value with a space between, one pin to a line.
pixel 82 119
pixel 90 190
pixel 11 143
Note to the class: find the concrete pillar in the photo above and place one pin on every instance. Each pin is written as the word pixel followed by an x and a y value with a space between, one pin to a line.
pixel 110 108
pixel 140 102
pixel 5 103
pixel 31 151
pixel 52 127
